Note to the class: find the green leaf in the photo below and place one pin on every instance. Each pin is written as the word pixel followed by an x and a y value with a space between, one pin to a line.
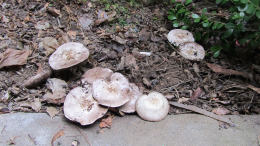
pixel 195 16
pixel 175 24
pixel 188 2
pixel 205 24
pixel 172 17
pixel 257 14
pixel 216 54
pixel 218 1
pixel 173 1
pixel 251 9
pixel 197 20
pixel 184 27
pixel 228 33
pixel 244 1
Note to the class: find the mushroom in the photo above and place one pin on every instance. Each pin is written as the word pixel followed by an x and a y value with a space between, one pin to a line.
pixel 97 73
pixel 67 55
pixel 134 94
pixel 152 107
pixel 179 36
pixel 192 51
pixel 80 106
pixel 113 93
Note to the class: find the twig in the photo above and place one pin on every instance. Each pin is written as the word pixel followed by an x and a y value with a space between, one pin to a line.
pixel 203 112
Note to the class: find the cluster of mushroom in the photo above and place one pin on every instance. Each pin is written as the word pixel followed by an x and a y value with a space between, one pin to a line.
pixel 102 89
pixel 188 48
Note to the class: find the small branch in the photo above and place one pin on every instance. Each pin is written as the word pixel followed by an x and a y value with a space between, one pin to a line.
pixel 203 112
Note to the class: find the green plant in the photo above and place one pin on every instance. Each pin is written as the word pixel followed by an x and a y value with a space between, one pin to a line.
pixel 221 24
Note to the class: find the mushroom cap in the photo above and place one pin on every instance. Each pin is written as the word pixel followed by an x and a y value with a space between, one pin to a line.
pixel 67 55
pixel 134 94
pixel 97 73
pixel 113 93
pixel 152 107
pixel 80 106
pixel 179 36
pixel 192 51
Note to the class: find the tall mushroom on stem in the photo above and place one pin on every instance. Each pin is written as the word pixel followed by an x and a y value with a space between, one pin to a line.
pixel 67 55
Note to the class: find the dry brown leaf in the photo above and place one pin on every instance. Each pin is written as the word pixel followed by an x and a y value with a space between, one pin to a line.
pixel 54 12
pixel 196 94
pixel 36 105
pixel 52 111
pixel 4 110
pixel 106 123
pixel 220 111
pixel 218 69
pixel 257 90
pixel 56 136
pixel 103 19
pixel 72 34
pixel 14 57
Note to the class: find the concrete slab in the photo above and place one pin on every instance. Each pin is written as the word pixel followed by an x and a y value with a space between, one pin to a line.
pixel 176 130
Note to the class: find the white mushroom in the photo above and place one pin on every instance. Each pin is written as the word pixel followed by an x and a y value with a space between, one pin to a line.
pixel 134 94
pixel 113 93
pixel 152 107
pixel 67 55
pixel 192 51
pixel 179 36
pixel 97 73
pixel 80 106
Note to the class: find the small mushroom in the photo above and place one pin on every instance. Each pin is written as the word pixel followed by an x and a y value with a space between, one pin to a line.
pixel 192 51
pixel 113 93
pixel 80 106
pixel 134 94
pixel 179 36
pixel 97 73
pixel 67 55
pixel 152 107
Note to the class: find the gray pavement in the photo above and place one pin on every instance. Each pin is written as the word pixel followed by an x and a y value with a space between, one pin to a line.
pixel 28 129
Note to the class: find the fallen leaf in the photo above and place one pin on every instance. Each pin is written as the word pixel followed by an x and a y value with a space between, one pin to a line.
pixel 85 22
pixel 58 91
pixel 56 136
pixel 36 105
pixel 42 25
pixel 257 90
pixel 220 111
pixel 14 57
pixel 196 94
pixel 218 69
pixel 105 17
pixel 4 110
pixel 106 123
pixel 54 12
pixel 72 34
pixel 118 39
pixel 49 44
pixel 52 111
pixel 183 99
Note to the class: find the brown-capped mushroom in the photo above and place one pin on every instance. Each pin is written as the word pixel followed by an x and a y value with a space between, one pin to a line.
pixel 113 93
pixel 179 36
pixel 79 106
pixel 97 73
pixel 152 107
pixel 192 51
pixel 134 94
pixel 67 55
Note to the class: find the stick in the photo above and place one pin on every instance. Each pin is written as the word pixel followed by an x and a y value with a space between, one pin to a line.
pixel 203 112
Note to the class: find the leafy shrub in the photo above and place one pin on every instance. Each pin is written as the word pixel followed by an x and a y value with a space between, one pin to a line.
pixel 221 24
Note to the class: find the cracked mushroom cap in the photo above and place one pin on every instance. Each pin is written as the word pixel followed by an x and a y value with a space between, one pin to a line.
pixel 67 55
pixel 179 36
pixel 97 73
pixel 192 51
pixel 134 94
pixel 80 106
pixel 152 107
pixel 113 93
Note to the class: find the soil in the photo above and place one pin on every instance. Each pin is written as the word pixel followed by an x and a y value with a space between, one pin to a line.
pixel 114 44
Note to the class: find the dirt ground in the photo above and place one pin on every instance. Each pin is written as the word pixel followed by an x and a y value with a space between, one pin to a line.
pixel 115 43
